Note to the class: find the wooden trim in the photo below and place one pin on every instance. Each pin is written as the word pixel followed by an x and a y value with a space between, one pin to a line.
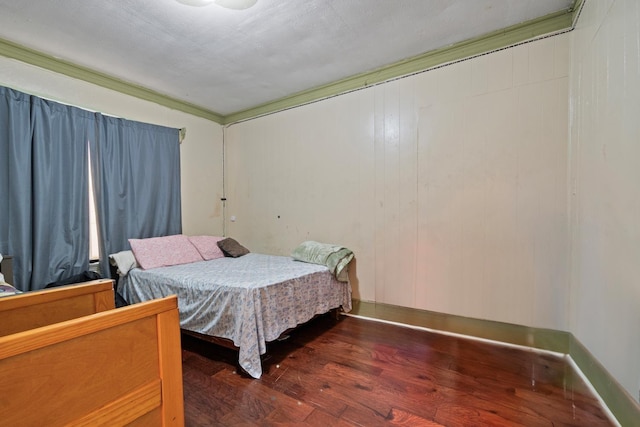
pixel 622 405
pixel 575 10
pixel 127 408
pixel 543 339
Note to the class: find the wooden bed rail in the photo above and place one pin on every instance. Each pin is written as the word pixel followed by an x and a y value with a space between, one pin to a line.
pixel 116 367
pixel 31 310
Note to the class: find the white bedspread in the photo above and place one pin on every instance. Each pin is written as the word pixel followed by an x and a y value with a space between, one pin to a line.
pixel 250 300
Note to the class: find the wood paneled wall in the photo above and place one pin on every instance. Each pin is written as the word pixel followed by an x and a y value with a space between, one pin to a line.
pixel 449 185
pixel 605 148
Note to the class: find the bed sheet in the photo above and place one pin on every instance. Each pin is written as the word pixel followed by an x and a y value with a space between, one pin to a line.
pixel 250 300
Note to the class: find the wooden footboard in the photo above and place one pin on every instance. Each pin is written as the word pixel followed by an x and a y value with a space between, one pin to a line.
pixel 116 367
pixel 31 310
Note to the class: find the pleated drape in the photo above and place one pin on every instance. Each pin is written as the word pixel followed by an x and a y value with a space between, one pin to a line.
pixel 15 183
pixel 136 178
pixel 44 185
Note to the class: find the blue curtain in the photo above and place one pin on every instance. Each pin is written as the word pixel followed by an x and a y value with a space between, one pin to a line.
pixel 44 194
pixel 44 147
pixel 60 190
pixel 136 179
pixel 15 182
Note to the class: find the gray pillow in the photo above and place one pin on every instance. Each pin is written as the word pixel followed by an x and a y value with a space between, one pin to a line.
pixel 123 261
pixel 231 248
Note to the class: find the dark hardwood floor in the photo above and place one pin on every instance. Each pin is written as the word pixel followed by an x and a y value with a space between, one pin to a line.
pixel 365 373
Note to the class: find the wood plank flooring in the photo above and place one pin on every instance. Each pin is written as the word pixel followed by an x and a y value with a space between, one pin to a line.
pixel 357 372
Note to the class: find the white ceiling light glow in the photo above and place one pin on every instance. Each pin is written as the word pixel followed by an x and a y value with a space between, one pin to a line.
pixel 228 4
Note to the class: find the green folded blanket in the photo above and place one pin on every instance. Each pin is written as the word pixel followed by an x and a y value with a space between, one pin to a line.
pixel 335 257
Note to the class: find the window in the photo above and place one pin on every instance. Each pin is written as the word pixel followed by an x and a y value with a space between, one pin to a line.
pixel 94 250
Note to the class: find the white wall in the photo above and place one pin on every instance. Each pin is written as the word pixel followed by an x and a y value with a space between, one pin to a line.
pixel 201 151
pixel 605 170
pixel 450 186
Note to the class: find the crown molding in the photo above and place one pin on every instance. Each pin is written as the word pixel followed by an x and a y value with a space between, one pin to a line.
pixel 48 62
pixel 546 25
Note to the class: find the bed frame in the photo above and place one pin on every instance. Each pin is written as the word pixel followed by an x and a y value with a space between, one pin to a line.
pixel 67 357
pixel 335 314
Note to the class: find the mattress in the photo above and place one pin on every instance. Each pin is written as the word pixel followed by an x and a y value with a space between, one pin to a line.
pixel 249 300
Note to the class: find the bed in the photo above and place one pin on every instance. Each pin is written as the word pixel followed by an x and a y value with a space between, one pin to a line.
pixel 248 300
pixel 68 358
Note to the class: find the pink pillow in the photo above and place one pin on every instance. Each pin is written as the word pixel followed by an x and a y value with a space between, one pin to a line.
pixel 164 251
pixel 207 246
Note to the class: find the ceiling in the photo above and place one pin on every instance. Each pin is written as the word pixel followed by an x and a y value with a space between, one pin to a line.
pixel 226 61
